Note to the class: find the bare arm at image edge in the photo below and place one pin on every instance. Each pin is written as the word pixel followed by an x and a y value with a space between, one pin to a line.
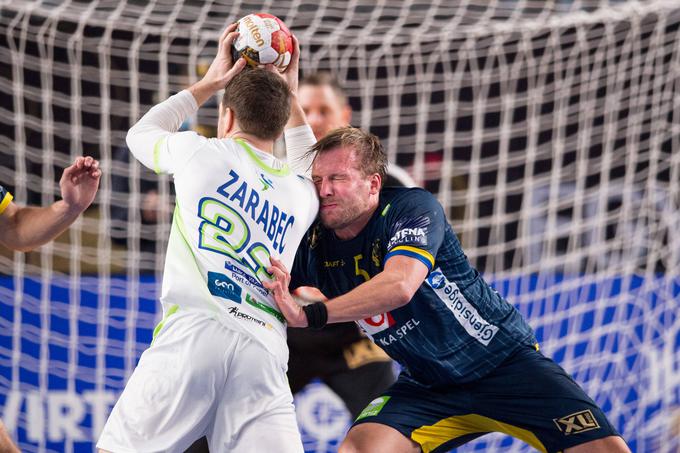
pixel 25 228
pixel 6 444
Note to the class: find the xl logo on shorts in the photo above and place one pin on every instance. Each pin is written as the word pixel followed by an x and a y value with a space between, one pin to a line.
pixel 576 423
pixel 222 286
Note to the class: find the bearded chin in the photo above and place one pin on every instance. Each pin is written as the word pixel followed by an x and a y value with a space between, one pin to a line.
pixel 337 222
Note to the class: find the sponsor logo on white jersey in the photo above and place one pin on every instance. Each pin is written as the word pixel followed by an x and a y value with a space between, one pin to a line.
pixel 241 276
pixel 222 286
pixel 266 182
pixel 238 314
pixel 466 314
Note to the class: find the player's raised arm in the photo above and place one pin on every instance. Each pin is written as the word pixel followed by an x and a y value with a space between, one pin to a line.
pixel 24 228
pixel 299 135
pixel 221 70
pixel 148 138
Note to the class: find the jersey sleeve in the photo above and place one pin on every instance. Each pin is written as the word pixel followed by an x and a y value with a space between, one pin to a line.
pixel 5 199
pixel 416 226
pixel 299 141
pixel 154 139
pixel 313 201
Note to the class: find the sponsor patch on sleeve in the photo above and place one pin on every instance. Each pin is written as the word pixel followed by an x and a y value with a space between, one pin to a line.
pixel 410 232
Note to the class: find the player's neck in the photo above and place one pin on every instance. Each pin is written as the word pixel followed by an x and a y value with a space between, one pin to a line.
pixel 263 145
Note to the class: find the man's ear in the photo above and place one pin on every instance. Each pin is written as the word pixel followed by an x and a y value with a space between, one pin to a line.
pixel 376 183
pixel 230 119
pixel 225 122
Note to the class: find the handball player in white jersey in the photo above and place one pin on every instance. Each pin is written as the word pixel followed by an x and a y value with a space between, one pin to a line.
pixel 216 366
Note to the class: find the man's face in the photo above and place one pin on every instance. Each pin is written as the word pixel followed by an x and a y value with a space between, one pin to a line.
pixel 325 110
pixel 344 191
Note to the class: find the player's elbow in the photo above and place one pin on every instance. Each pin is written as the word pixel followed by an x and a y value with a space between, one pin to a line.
pixel 19 245
pixel 25 246
pixel 20 241
pixel 142 145
pixel 132 138
pixel 13 236
pixel 402 292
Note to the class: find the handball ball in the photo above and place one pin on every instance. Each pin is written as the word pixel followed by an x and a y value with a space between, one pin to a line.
pixel 263 39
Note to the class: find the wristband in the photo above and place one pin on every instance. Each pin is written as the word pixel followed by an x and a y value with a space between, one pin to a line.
pixel 317 314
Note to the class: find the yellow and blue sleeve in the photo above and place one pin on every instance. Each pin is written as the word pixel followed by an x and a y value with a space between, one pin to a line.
pixel 413 252
pixel 5 199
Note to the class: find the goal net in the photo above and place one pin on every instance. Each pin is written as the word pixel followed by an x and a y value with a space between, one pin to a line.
pixel 550 131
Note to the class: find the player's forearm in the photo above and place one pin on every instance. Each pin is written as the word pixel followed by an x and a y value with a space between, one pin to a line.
pixel 157 124
pixel 204 90
pixel 6 444
pixel 297 116
pixel 31 227
pixel 384 292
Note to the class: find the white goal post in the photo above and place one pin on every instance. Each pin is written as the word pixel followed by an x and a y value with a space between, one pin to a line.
pixel 550 131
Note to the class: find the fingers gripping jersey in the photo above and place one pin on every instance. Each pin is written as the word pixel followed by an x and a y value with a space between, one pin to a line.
pixel 235 207
pixel 456 327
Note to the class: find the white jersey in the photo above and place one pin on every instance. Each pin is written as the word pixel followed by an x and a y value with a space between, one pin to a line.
pixel 235 207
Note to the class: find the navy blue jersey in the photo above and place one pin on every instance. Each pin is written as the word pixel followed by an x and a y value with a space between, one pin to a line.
pixel 456 328
pixel 5 199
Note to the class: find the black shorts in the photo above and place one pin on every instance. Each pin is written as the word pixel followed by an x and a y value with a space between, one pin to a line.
pixel 349 364
pixel 528 397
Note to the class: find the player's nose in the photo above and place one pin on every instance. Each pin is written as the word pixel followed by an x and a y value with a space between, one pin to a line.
pixel 325 188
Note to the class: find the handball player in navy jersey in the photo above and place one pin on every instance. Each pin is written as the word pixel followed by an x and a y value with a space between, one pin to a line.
pixel 390 261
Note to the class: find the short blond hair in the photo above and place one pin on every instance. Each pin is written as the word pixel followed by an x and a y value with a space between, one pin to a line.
pixel 366 146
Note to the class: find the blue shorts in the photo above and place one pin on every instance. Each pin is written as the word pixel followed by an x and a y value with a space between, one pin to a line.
pixel 528 397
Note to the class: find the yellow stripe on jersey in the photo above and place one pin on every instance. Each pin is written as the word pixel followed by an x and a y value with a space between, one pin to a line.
pixel 6 200
pixel 157 156
pixel 423 253
pixel 432 437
